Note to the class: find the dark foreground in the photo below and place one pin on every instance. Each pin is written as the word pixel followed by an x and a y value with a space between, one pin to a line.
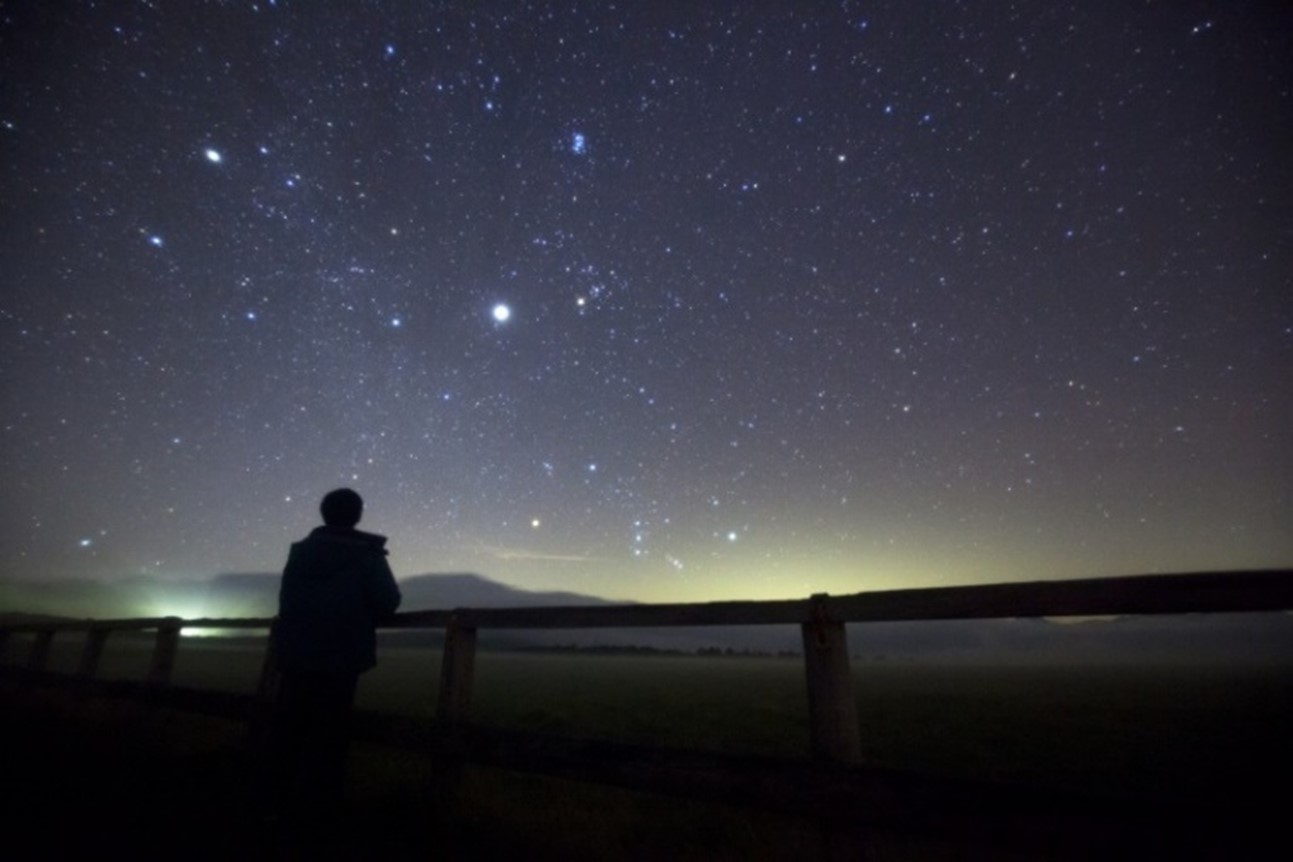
pixel 87 773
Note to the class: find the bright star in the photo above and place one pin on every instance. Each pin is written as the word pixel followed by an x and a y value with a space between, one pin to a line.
pixel 214 156
pixel 502 312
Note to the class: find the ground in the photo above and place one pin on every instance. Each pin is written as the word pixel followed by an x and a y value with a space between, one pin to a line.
pixel 92 774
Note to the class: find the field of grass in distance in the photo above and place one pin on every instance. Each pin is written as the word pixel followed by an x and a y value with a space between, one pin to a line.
pixel 1200 732
pixel 1130 730
pixel 1196 731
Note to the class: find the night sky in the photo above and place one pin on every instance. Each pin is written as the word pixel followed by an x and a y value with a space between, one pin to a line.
pixel 657 301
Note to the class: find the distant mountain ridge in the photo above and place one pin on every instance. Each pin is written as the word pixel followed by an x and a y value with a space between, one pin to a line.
pixel 462 590
pixel 249 594
pixel 1198 638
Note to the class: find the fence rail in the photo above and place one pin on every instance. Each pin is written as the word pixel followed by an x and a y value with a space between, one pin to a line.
pixel 1206 592
pixel 833 722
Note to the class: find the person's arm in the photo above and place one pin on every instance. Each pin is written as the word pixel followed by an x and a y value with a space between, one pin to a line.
pixel 383 592
pixel 287 583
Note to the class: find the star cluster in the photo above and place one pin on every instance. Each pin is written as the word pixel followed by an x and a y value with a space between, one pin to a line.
pixel 650 301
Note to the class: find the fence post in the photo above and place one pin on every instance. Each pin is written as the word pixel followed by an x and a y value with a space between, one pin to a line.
pixel 832 709
pixel 39 654
pixel 261 717
pixel 164 649
pixel 95 639
pixel 456 671
pixel 449 752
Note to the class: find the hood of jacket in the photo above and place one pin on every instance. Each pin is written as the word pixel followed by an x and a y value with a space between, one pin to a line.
pixel 330 550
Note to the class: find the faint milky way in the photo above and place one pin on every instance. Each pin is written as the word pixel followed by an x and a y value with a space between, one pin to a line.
pixel 649 301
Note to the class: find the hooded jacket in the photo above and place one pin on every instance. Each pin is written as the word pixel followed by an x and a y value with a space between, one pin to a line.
pixel 336 589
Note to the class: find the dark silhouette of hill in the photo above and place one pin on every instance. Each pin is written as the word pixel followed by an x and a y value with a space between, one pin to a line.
pixel 247 594
pixel 461 590
pixel 19 618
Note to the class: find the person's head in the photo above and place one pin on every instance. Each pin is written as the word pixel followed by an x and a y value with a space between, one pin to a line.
pixel 341 508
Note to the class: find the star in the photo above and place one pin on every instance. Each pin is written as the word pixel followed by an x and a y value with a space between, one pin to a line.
pixel 502 312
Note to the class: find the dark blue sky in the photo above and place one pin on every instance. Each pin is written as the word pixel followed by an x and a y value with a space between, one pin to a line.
pixel 802 297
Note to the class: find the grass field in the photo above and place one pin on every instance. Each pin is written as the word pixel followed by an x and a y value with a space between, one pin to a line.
pixel 1207 735
pixel 1194 731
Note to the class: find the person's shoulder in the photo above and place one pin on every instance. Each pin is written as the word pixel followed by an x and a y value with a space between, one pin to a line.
pixel 349 538
pixel 374 539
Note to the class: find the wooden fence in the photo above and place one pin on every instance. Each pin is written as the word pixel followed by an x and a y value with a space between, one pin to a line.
pixel 834 732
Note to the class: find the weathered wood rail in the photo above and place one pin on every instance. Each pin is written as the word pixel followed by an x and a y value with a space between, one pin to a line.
pixel 834 732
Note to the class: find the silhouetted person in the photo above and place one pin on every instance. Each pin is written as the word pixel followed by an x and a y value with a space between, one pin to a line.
pixel 336 589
